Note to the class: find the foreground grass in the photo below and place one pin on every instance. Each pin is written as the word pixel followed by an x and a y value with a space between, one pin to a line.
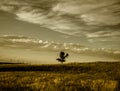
pixel 68 77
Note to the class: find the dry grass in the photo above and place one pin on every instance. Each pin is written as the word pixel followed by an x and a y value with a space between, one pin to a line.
pixel 71 79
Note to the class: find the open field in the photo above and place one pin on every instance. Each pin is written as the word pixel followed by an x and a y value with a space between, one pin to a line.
pixel 97 76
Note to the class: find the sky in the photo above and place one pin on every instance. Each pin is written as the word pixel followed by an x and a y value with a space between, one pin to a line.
pixel 35 31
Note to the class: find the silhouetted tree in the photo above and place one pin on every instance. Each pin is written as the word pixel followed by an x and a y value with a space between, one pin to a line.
pixel 62 57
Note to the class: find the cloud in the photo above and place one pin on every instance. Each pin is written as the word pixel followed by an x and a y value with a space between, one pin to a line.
pixel 103 34
pixel 106 39
pixel 22 42
pixel 50 20
pixel 91 20
pixel 24 46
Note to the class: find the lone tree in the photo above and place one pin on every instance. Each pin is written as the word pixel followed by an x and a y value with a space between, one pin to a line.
pixel 62 57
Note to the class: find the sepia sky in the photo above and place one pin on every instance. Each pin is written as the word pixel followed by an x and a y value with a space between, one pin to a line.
pixel 90 28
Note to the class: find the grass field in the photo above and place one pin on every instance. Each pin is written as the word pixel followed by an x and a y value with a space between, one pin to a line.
pixel 97 76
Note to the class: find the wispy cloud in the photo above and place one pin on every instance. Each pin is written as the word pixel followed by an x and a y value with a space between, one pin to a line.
pixel 91 14
pixel 49 20
pixel 104 37
pixel 103 34
pixel 79 18
pixel 21 42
